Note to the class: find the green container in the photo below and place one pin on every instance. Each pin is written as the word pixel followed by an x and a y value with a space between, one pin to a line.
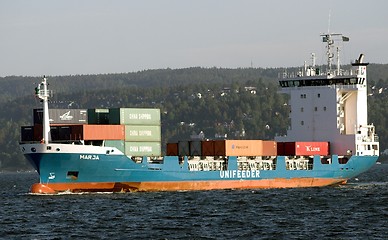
pixel 143 133
pixel 134 116
pixel 98 116
pixel 143 148
pixel 119 144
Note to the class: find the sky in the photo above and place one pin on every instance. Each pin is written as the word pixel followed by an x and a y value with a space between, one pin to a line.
pixel 70 37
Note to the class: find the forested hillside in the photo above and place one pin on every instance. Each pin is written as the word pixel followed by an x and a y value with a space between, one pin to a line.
pixel 237 103
pixel 17 86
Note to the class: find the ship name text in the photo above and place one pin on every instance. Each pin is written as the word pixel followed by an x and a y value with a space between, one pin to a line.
pixel 89 157
pixel 240 174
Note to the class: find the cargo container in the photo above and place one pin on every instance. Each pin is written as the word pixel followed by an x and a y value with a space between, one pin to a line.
pixel 62 116
pixel 119 144
pixel 184 148
pixel 60 133
pixel 134 116
pixel 269 148
pixel 143 149
pixel 97 132
pixel 38 132
pixel 143 133
pixel 195 148
pixel 98 116
pixel 238 148
pixel 280 148
pixel 172 149
pixel 306 148
pixel 27 134
pixel 57 132
pixel 207 148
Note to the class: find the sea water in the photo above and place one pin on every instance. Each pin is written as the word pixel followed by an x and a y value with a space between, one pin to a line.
pixel 358 210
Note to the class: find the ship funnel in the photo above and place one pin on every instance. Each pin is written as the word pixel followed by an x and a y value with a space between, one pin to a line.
pixel 360 58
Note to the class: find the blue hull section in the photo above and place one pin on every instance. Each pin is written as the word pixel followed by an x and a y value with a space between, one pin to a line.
pixel 71 168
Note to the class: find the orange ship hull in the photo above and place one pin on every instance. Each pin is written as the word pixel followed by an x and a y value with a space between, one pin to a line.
pixel 52 188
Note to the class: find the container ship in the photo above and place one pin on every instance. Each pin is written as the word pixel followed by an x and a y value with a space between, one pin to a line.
pixel 119 150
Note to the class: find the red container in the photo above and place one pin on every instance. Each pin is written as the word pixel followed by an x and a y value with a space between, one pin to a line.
pixel 207 148
pixel 60 132
pixel 38 132
pixel 306 148
pixel 280 148
pixel 97 132
pixel 219 148
pixel 172 149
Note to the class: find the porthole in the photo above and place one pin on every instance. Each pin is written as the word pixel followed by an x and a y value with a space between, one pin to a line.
pixel 33 149
pixel 58 149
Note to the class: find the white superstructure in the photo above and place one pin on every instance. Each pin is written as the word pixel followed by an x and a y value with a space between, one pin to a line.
pixel 43 93
pixel 331 105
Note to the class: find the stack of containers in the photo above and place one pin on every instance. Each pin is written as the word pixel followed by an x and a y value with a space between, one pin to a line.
pixel 223 148
pixel 142 131
pixel 134 131
pixel 61 122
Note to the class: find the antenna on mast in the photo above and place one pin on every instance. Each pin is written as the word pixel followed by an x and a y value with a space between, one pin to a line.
pixel 330 39
pixel 328 25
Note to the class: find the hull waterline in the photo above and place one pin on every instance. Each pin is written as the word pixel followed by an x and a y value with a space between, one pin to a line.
pixel 52 188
